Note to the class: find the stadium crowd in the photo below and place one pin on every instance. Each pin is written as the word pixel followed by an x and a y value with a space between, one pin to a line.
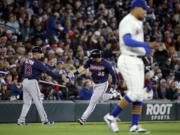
pixel 68 30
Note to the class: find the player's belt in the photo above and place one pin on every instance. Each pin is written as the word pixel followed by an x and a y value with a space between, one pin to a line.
pixel 137 56
pixel 99 82
pixel 30 78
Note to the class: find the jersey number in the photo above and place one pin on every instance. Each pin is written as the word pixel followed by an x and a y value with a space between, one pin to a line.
pixel 100 73
pixel 28 70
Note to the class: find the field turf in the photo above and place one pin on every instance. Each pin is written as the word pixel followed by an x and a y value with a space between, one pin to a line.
pixel 91 128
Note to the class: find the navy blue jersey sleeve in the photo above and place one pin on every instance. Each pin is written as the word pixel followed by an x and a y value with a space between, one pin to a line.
pixel 21 73
pixel 111 71
pixel 44 69
pixel 87 64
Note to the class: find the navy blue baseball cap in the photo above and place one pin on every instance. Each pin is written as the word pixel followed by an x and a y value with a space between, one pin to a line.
pixel 139 3
pixel 36 49
pixel 96 53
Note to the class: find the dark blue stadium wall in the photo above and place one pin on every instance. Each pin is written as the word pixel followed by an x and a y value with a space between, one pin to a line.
pixel 72 110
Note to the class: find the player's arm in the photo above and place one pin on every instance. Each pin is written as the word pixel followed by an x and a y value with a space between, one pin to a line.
pixel 148 46
pixel 112 73
pixel 127 30
pixel 75 72
pixel 129 41
pixel 21 73
pixel 44 69
pixel 127 38
pixel 81 69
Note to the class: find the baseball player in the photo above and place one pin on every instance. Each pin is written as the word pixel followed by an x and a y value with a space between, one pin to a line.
pixel 131 66
pixel 100 70
pixel 31 71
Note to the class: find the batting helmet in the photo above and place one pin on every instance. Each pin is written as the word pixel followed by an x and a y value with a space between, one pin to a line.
pixel 36 49
pixel 139 3
pixel 96 53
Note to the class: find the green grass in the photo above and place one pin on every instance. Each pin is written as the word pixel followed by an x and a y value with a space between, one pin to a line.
pixel 91 128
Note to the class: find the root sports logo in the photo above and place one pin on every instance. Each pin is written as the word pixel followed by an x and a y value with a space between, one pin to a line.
pixel 159 111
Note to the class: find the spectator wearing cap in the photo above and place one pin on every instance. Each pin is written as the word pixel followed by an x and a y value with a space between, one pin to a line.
pixel 60 68
pixel 162 89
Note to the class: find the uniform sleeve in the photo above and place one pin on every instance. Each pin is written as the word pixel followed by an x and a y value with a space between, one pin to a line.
pixel 133 43
pixel 44 69
pixel 126 28
pixel 21 73
pixel 112 72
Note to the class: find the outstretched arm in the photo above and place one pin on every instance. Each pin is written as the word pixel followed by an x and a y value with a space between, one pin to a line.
pixel 133 43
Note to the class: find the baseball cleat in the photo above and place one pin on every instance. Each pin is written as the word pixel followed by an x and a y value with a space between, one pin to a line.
pixel 111 121
pixel 21 123
pixel 137 129
pixel 81 121
pixel 48 123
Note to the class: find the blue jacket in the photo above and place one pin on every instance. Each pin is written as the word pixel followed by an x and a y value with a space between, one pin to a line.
pixel 51 26
pixel 85 94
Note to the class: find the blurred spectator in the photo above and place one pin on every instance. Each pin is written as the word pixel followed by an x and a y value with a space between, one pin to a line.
pixel 162 89
pixel 86 91
pixel 171 92
pixel 16 91
pixel 5 93
pixel 68 30
pixel 53 28
pixel 13 23
pixel 177 83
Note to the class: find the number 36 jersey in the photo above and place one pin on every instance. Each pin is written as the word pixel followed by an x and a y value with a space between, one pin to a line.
pixel 100 71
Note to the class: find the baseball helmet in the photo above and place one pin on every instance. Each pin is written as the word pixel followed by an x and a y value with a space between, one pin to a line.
pixel 139 3
pixel 96 53
pixel 36 49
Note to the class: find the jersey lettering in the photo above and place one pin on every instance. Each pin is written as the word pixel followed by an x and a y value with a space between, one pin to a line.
pixel 28 69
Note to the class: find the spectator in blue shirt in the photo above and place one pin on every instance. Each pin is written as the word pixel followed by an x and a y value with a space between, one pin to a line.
pixel 16 90
pixel 52 28
pixel 86 91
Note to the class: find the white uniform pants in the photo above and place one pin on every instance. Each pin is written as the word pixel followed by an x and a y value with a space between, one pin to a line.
pixel 31 91
pixel 132 70
pixel 98 95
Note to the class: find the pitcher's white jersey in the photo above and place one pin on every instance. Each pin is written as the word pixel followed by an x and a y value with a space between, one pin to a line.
pixel 130 25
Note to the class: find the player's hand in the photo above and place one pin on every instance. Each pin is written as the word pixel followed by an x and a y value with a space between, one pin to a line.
pixel 112 90
pixel 154 45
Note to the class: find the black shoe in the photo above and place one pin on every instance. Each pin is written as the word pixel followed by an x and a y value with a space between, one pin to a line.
pixel 48 123
pixel 81 121
pixel 21 123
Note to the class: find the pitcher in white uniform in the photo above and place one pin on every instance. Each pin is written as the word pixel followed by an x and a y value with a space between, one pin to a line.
pixel 130 64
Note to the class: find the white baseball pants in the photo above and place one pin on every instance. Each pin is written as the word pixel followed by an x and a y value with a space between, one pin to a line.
pixel 132 70
pixel 31 91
